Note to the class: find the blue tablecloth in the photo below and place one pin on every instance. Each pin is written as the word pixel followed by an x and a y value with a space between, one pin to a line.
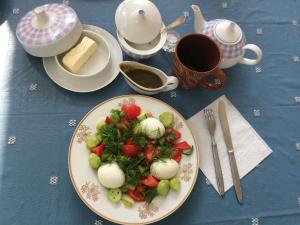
pixel 37 118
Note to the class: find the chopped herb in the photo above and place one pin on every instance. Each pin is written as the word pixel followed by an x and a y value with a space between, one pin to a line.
pixel 162 140
pixel 150 194
pixel 111 138
pixel 188 152
pixel 132 177
pixel 165 151
pixel 170 136
pixel 127 134
pixel 140 139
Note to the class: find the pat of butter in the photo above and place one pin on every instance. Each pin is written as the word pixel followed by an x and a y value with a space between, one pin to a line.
pixel 79 55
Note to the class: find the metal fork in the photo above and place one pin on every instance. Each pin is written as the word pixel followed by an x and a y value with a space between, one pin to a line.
pixel 211 124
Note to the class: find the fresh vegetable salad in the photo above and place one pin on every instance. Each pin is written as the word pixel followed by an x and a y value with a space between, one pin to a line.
pixel 136 156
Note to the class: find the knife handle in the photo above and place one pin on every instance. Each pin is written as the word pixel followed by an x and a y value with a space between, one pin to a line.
pixel 235 177
pixel 218 170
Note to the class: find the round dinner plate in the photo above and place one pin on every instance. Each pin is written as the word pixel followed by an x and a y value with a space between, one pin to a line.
pixel 93 194
pixel 87 84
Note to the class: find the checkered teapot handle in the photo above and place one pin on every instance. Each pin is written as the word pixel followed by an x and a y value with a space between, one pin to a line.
pixel 256 50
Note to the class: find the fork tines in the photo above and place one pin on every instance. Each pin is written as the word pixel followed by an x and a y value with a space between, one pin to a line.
pixel 208 113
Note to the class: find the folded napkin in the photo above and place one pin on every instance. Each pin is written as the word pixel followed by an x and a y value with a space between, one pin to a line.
pixel 249 148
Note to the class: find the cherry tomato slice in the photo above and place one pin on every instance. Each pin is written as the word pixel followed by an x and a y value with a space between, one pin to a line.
pixel 135 196
pixel 177 155
pixel 150 181
pixel 140 188
pixel 149 154
pixel 182 146
pixel 129 150
pixel 98 150
pixel 177 134
pixel 130 141
pixel 131 110
pixel 107 120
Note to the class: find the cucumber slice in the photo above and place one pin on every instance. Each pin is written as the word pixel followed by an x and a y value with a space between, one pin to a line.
pixel 91 141
pixel 94 161
pixel 167 119
pixel 142 117
pixel 127 201
pixel 175 184
pixel 100 123
pixel 138 129
pixel 163 187
pixel 114 195
pixel 99 138
pixel 127 187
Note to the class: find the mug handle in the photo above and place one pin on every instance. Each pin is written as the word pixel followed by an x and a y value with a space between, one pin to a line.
pixel 219 74
pixel 172 83
pixel 256 50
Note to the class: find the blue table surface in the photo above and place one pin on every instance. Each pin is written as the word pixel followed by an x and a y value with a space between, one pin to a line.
pixel 36 118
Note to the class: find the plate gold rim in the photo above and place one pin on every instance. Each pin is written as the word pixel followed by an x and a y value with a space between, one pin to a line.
pixel 112 219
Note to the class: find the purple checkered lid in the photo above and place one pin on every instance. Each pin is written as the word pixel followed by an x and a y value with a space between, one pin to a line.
pixel 228 35
pixel 46 24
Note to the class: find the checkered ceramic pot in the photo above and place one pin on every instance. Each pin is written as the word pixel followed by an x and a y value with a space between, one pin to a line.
pixel 231 41
pixel 229 49
pixel 49 30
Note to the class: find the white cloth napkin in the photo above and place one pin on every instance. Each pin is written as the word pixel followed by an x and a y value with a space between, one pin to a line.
pixel 249 148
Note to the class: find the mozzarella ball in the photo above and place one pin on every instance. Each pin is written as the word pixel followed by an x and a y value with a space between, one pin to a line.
pixel 153 128
pixel 111 175
pixel 164 169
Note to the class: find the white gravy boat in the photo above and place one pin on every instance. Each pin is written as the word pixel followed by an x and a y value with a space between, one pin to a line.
pixel 168 82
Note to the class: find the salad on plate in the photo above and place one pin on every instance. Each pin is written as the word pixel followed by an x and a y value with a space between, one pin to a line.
pixel 136 155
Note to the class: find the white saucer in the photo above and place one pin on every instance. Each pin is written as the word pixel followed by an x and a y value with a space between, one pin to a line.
pixel 88 84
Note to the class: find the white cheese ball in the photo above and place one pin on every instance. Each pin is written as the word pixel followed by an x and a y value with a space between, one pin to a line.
pixel 164 169
pixel 153 128
pixel 111 175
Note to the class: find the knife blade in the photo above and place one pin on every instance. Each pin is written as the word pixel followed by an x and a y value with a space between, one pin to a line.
pixel 230 150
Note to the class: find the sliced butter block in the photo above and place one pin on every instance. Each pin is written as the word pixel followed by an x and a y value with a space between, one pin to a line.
pixel 79 55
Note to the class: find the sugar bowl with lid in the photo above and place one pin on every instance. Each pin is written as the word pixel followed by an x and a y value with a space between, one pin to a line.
pixel 54 30
pixel 140 29
pixel 49 30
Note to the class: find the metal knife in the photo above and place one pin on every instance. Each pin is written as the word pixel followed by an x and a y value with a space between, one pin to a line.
pixel 230 150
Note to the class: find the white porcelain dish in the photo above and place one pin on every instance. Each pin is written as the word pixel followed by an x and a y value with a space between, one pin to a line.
pixel 96 82
pixel 93 194
pixel 96 63
pixel 143 51
pixel 138 21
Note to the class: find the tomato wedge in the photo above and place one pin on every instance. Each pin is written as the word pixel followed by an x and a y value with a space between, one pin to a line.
pixel 130 142
pixel 131 110
pixel 182 146
pixel 98 150
pixel 150 153
pixel 140 188
pixel 136 196
pixel 177 134
pixel 107 120
pixel 150 181
pixel 177 155
pixel 129 150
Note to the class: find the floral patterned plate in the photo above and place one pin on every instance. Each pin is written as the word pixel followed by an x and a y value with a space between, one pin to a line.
pixel 93 194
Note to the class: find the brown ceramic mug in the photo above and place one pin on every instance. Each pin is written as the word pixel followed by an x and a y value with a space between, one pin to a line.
pixel 197 58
